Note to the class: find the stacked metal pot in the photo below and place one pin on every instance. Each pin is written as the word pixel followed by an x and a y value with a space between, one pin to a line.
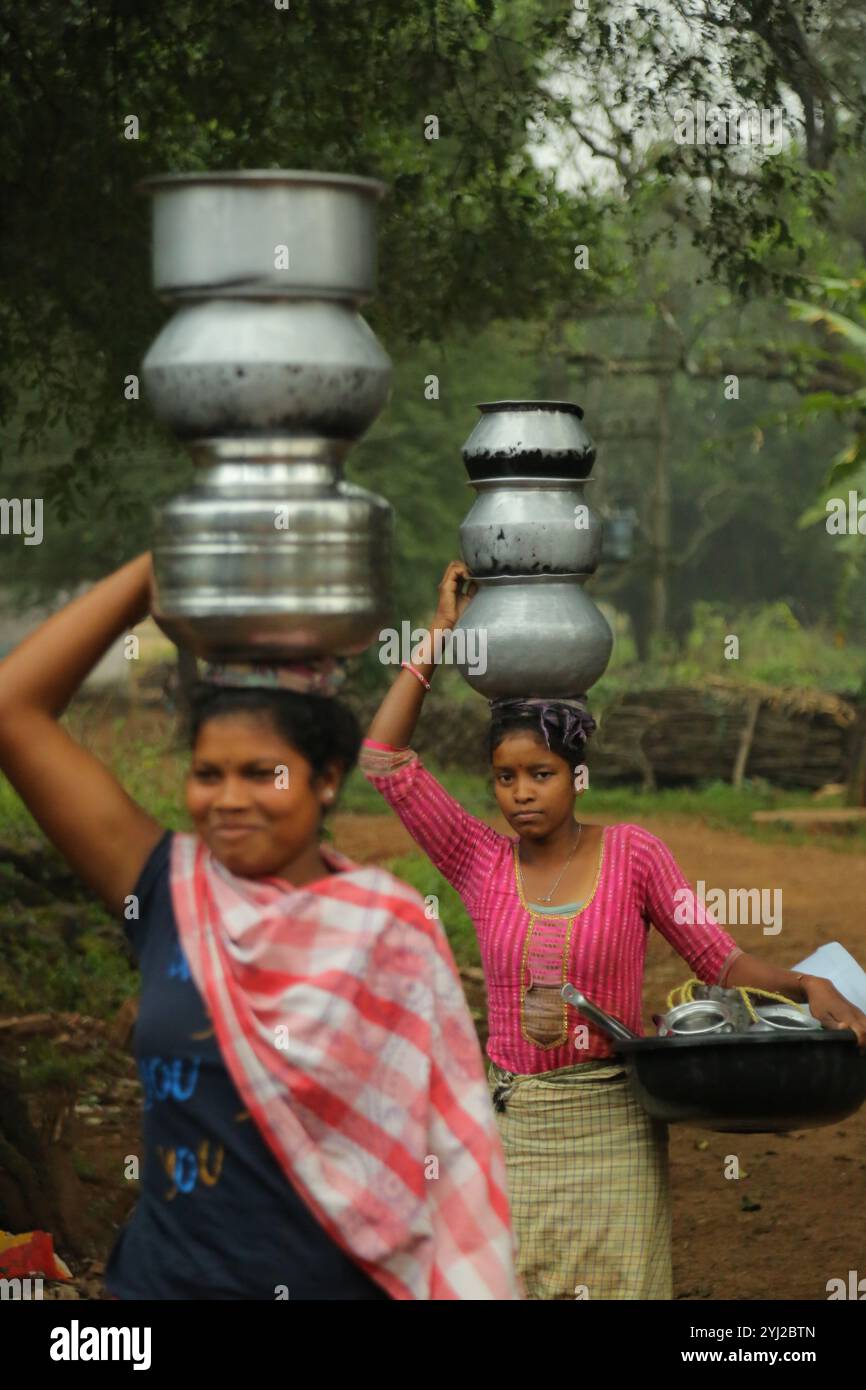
pixel 531 541
pixel 269 374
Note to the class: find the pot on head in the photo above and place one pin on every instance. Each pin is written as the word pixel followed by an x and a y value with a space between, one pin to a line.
pixel 244 367
pixel 530 526
pixel 529 439
pixel 272 562
pixel 532 635
pixel 269 232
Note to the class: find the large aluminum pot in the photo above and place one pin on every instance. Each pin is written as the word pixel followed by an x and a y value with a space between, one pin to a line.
pixel 270 561
pixel 302 449
pixel 220 234
pixel 529 439
pixel 539 634
pixel 530 526
pixel 232 366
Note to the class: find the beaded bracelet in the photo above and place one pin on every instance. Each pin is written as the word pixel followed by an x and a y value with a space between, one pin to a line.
pixel 415 672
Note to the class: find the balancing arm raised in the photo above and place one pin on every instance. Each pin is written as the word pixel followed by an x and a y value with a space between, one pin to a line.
pixel 456 842
pixel 103 834
pixel 394 721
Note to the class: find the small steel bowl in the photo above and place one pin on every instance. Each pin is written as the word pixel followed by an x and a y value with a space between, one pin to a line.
pixel 697 1019
pixel 783 1018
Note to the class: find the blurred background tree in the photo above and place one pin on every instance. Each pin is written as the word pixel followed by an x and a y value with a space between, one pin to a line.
pixel 556 131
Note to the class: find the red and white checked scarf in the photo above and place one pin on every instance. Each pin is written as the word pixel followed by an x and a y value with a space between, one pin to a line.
pixel 340 1016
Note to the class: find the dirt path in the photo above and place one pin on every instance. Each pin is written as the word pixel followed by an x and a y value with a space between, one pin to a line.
pixel 805 1192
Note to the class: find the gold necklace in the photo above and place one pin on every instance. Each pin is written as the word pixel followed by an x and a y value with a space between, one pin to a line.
pixel 548 897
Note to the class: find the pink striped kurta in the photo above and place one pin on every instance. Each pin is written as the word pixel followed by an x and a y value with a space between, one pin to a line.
pixel 601 949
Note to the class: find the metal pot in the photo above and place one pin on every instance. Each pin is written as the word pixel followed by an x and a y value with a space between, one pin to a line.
pixel 301 449
pixel 697 1018
pixel 783 1018
pixel 530 526
pixel 272 561
pixel 542 636
pixel 529 439
pixel 233 366
pixel 220 234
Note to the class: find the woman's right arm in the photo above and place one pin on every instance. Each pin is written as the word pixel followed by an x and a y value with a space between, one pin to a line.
pixel 85 812
pixel 394 721
pixel 457 843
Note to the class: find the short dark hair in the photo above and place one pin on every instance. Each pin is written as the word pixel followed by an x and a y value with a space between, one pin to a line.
pixel 321 728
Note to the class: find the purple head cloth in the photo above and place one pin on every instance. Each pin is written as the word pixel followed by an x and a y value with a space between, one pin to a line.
pixel 570 719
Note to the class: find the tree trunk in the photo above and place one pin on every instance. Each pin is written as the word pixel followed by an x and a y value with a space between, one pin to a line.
pixel 660 518
pixel 39 1187
pixel 745 744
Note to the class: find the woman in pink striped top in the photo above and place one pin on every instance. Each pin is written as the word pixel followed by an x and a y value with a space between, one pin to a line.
pixel 563 901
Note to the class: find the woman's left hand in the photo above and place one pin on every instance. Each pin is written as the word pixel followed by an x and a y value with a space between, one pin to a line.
pixel 833 1010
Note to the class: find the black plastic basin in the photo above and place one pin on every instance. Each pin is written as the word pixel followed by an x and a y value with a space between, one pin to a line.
pixel 749 1084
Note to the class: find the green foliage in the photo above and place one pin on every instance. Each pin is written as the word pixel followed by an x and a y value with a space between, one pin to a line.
pixel 847 466
pixel 41 970
pixel 476 794
pixel 471 227
pixel 474 230
pixel 84 1168
pixel 773 647
pixel 15 820
pixel 755 213
pixel 44 1064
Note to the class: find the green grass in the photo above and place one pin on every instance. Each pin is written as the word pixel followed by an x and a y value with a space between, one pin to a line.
pixel 40 970
pixel 721 807
pixel 716 804
pixel 84 1168
pixel 46 1064
pixel 416 870
pixel 16 821
pixel 472 790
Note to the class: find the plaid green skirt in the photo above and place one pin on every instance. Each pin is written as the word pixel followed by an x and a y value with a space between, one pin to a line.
pixel 587 1183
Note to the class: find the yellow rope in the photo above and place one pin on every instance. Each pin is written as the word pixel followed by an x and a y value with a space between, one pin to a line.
pixel 684 994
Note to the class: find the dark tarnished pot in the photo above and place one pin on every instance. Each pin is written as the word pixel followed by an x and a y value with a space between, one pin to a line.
pixel 529 439
pixel 240 367
pixel 530 526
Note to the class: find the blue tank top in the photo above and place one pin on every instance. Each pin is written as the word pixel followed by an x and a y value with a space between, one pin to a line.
pixel 216 1216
